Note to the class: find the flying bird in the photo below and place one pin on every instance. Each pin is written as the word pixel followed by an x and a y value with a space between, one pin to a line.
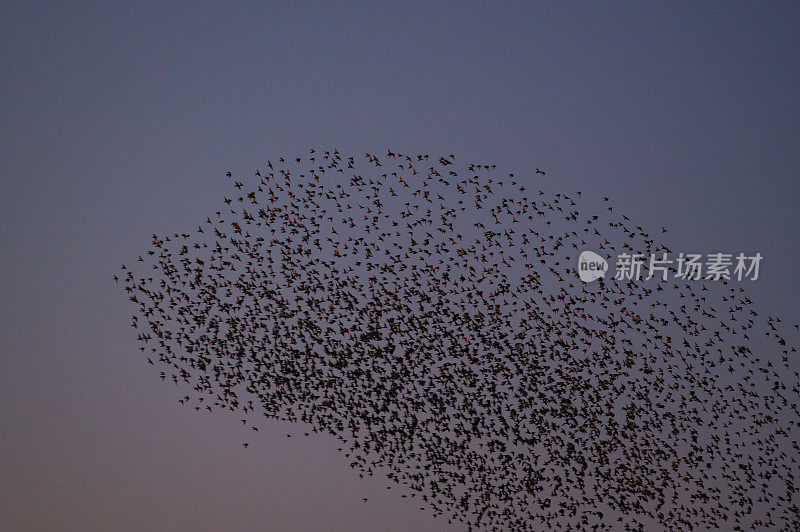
pixel 428 314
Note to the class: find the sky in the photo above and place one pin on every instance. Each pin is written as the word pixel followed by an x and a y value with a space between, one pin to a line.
pixel 121 119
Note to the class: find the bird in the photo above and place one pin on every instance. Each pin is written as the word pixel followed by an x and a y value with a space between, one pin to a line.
pixel 427 313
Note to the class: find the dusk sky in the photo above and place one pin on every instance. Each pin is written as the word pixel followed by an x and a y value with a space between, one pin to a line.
pixel 121 120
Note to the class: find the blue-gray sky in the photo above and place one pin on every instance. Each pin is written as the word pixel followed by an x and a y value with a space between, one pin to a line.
pixel 120 120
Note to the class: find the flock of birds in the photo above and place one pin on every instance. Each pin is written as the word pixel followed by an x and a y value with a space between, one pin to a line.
pixel 429 315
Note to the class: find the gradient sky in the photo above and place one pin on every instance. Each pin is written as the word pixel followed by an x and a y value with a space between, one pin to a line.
pixel 120 120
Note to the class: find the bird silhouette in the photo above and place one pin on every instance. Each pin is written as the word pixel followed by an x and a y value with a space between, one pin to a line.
pixel 429 315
